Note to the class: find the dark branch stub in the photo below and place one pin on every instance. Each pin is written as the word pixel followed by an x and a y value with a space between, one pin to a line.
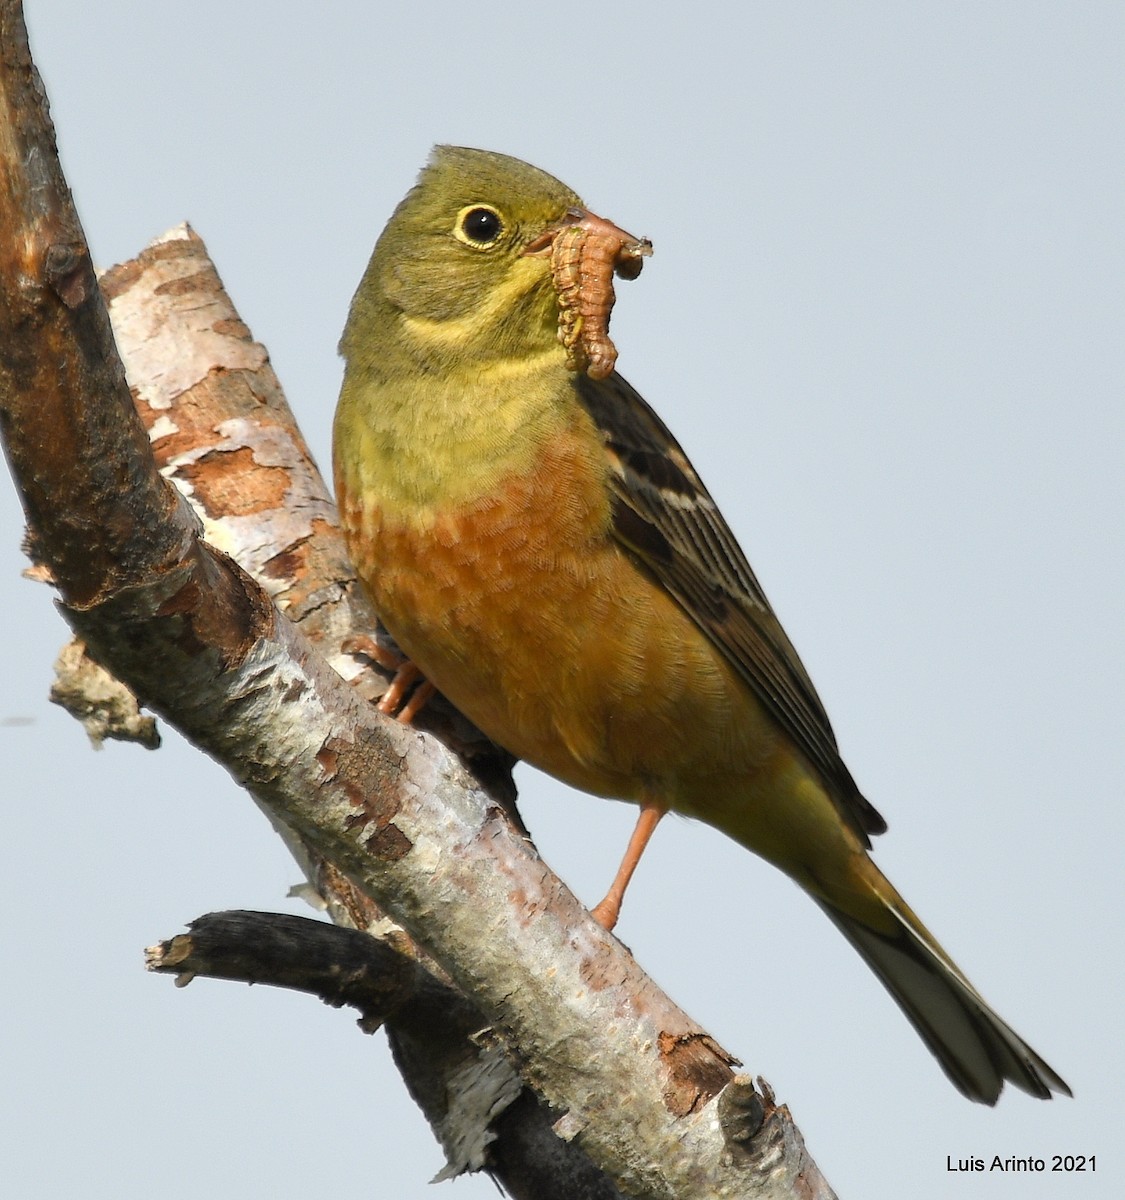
pixel 742 1112
pixel 433 1031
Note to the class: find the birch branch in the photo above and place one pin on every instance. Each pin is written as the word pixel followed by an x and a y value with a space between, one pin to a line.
pixel 629 1076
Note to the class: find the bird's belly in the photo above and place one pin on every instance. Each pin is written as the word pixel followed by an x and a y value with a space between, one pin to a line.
pixel 523 610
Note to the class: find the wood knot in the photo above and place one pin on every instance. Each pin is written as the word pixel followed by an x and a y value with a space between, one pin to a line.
pixel 742 1112
pixel 66 269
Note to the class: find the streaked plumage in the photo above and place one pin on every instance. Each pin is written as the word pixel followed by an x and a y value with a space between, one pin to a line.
pixel 540 546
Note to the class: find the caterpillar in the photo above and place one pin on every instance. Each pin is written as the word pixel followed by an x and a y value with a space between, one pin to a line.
pixel 585 255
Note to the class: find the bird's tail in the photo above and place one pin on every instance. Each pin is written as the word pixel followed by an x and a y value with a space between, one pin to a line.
pixel 976 1049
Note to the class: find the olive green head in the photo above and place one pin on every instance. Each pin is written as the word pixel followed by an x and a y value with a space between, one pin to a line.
pixel 450 280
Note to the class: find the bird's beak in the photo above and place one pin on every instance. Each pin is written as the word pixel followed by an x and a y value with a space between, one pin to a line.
pixel 601 238
pixel 586 251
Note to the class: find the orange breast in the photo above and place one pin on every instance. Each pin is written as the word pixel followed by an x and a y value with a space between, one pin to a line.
pixel 523 610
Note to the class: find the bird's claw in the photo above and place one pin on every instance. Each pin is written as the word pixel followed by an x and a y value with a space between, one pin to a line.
pixel 406 676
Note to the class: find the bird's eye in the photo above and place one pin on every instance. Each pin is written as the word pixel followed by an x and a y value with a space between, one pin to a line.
pixel 479 225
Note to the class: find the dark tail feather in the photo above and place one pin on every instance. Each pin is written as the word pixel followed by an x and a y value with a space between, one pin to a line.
pixel 976 1049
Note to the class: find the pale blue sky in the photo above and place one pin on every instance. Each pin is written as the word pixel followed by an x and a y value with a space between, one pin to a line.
pixel 885 317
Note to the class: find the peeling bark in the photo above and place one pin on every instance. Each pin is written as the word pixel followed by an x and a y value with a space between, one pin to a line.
pixel 103 705
pixel 389 811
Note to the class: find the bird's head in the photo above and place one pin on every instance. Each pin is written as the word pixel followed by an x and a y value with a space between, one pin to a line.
pixel 489 257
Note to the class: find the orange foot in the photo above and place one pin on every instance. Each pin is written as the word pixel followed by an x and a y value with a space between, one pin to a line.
pixel 406 675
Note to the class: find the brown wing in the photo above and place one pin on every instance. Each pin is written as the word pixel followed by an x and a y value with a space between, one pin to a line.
pixel 664 516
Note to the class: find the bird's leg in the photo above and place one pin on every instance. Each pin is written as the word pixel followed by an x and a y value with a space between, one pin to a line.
pixel 607 912
pixel 405 675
